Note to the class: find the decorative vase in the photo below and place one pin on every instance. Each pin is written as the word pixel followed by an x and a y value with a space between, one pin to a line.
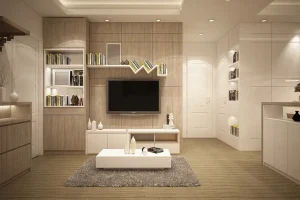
pixel 14 97
pixel 126 147
pixel 94 125
pixel 132 145
pixel 2 94
pixel 100 126
pixel 296 117
pixel 89 124
pixel 144 151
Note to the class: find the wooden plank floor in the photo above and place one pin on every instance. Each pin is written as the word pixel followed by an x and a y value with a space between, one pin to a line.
pixel 224 173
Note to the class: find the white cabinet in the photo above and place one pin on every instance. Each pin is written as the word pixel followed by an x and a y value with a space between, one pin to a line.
pixel 280 145
pixel 116 141
pixel 96 142
pixel 294 150
pixel 268 142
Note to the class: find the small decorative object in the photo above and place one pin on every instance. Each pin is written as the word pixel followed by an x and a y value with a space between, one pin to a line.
pixel 75 100
pixel 5 78
pixel 126 147
pixel 132 145
pixel 296 117
pixel 171 119
pixel 297 89
pixel 155 150
pixel 89 124
pixel 126 62
pixel 122 62
pixel 14 97
pixel 168 119
pixel 290 115
pixel 100 126
pixel 94 125
pixel 144 151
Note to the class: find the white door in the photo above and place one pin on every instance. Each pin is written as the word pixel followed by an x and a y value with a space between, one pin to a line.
pixel 199 100
pixel 26 75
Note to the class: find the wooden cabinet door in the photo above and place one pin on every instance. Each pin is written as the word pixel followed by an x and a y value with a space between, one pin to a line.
pixel 74 138
pixel 96 142
pixel 268 142
pixel 54 132
pixel 293 151
pixel 280 150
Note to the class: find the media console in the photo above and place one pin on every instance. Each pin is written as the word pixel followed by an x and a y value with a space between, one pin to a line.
pixel 96 140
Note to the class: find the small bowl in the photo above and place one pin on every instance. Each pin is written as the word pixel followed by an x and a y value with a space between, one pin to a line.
pixel 290 115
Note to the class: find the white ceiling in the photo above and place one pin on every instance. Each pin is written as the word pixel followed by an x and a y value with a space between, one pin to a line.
pixel 193 13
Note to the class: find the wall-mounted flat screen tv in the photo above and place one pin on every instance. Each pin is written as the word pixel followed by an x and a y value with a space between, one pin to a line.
pixel 133 97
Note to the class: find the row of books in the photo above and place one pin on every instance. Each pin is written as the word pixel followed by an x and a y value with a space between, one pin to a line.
pixel 57 59
pixel 61 100
pixel 234 74
pixel 162 69
pixel 95 59
pixel 233 95
pixel 148 65
pixel 234 130
pixel 236 57
pixel 135 65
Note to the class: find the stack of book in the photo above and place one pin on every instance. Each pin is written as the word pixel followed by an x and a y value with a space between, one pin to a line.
pixel 236 57
pixel 234 130
pixel 95 59
pixel 57 59
pixel 134 65
pixel 61 100
pixel 162 69
pixel 233 95
pixel 148 65
pixel 234 74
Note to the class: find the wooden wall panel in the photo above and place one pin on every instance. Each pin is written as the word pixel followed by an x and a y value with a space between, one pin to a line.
pixel 157 42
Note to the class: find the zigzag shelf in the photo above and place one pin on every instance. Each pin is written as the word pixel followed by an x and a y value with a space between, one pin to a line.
pixel 134 70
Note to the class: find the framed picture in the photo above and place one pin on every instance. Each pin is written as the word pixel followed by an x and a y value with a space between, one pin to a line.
pixel 61 77
pixel 113 53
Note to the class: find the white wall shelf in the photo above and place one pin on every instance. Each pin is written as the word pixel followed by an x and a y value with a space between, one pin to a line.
pixel 79 66
pixel 67 86
pixel 108 66
pixel 234 80
pixel 235 65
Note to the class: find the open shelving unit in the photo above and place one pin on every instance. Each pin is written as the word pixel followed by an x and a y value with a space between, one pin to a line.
pixel 65 79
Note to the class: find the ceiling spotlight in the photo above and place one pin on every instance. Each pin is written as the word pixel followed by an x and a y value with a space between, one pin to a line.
pixel 107 20
pixel 200 34
pixel 211 20
pixel 158 20
pixel 227 0
pixel 263 20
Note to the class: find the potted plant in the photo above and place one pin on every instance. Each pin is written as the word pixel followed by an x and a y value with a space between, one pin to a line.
pixel 5 78
pixel 297 89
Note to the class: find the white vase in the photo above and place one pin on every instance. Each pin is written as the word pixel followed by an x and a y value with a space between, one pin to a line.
pixel 94 125
pixel 14 97
pixel 100 126
pixel 126 146
pixel 2 94
pixel 89 124
pixel 132 145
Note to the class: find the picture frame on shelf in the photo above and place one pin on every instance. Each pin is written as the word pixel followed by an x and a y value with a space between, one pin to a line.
pixel 113 53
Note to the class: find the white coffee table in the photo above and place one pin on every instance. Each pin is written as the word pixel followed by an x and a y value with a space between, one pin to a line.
pixel 116 158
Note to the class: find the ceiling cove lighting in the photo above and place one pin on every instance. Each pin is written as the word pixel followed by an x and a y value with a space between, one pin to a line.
pixel 211 20
pixel 263 20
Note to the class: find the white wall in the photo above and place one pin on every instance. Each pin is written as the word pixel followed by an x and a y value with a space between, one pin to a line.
pixel 25 54
pixel 205 53
pixel 269 70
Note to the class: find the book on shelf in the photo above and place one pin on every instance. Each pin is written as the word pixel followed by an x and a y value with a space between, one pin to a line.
pixel 234 130
pixel 95 59
pixel 61 100
pixel 148 65
pixel 134 65
pixel 162 69
pixel 57 59
pixel 233 74
pixel 236 57
pixel 233 95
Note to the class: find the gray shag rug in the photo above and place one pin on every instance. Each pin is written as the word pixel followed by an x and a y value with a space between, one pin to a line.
pixel 180 175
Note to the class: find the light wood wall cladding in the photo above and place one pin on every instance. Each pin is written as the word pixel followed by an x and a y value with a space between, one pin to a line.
pixel 157 42
pixel 64 128
pixel 64 132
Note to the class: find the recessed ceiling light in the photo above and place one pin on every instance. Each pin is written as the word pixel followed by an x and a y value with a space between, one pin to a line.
pixel 200 34
pixel 158 20
pixel 211 20
pixel 227 0
pixel 107 20
pixel 263 20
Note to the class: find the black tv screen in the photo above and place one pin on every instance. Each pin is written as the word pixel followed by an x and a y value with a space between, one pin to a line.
pixel 133 97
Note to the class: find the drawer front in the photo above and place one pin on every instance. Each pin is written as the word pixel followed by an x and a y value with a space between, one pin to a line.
pixel 14 136
pixel 14 162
